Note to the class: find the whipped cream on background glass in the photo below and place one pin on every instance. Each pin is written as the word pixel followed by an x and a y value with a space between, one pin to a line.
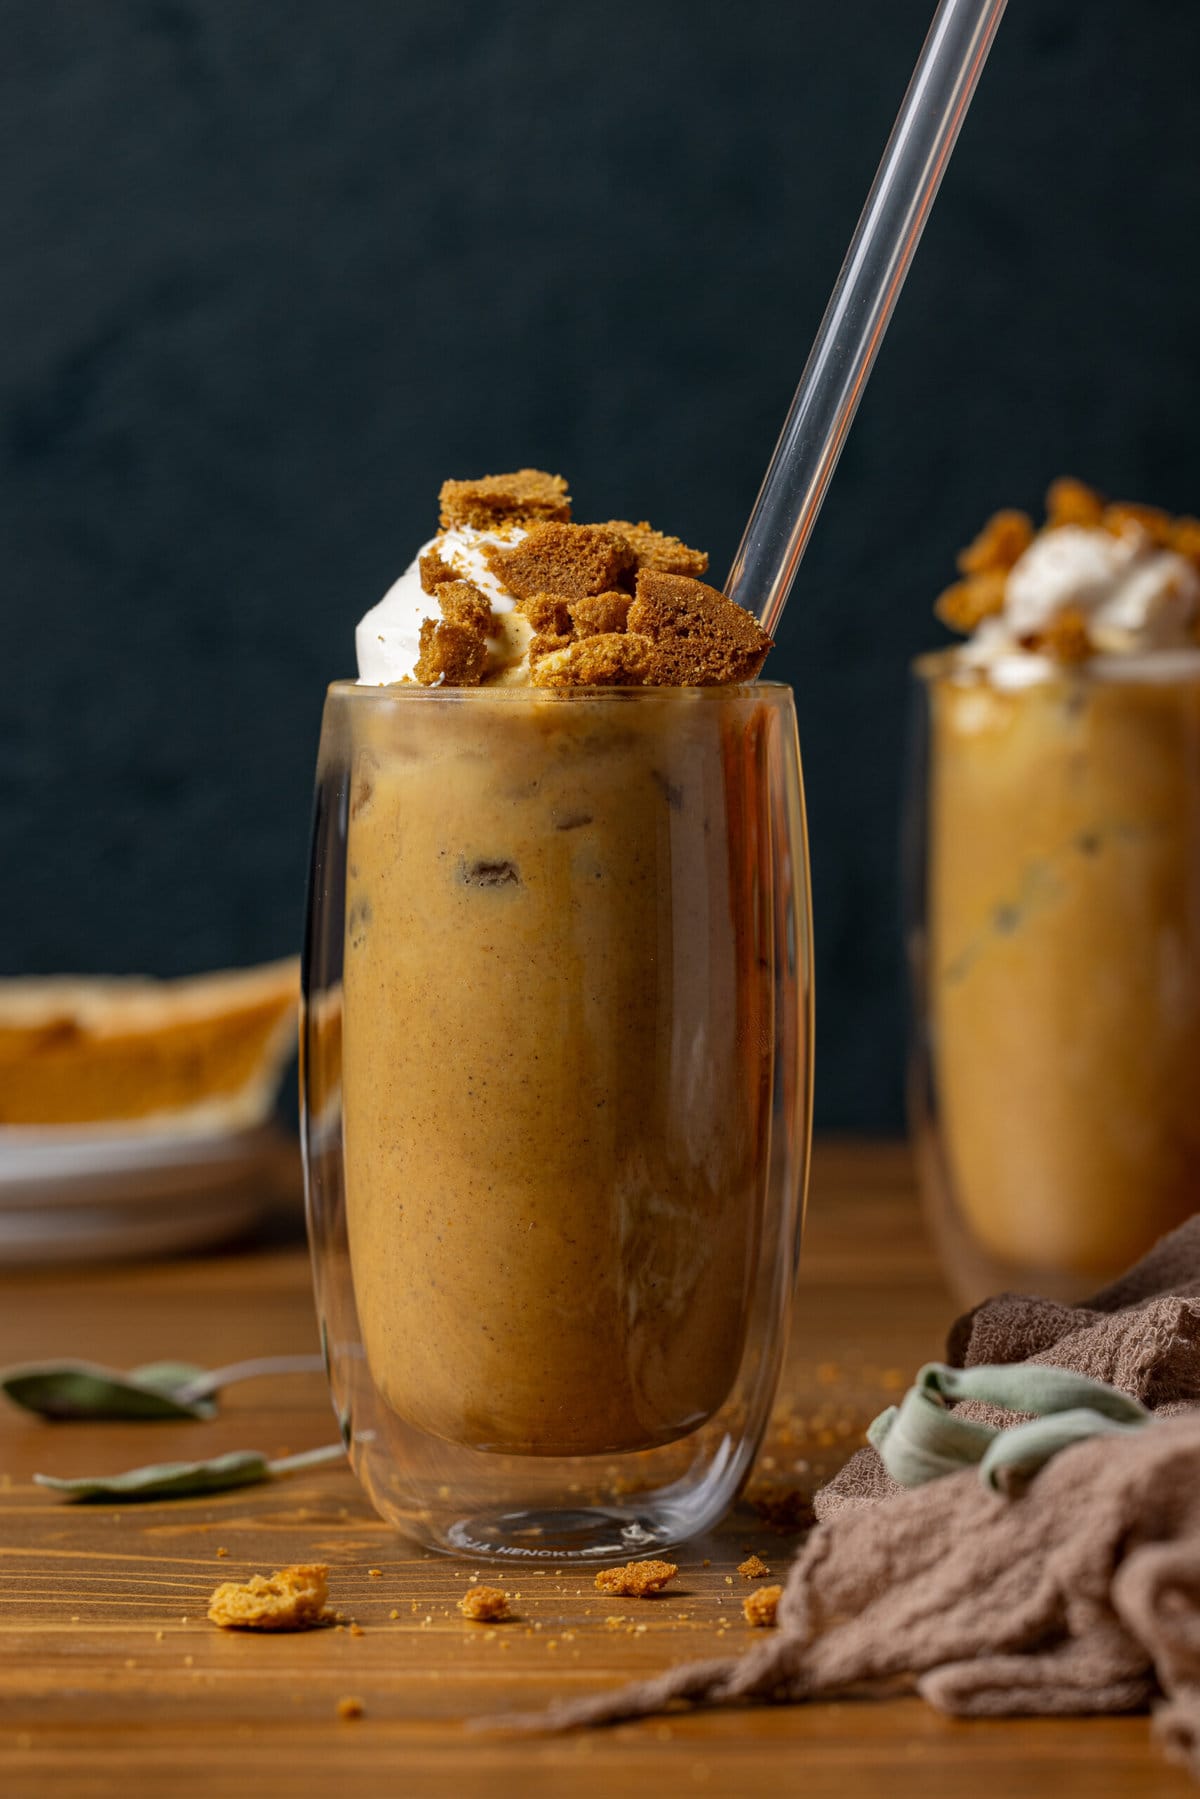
pixel 387 638
pixel 1136 599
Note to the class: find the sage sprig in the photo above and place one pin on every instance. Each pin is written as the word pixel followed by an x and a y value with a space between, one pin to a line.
pixel 69 1390
pixel 181 1480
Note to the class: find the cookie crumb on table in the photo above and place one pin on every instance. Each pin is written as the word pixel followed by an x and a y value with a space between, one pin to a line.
pixel 754 1568
pixel 484 1605
pixel 290 1599
pixel 350 1707
pixel 761 1606
pixel 636 1579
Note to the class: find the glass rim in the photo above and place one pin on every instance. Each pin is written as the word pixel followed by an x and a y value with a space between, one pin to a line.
pixel 1164 667
pixel 407 692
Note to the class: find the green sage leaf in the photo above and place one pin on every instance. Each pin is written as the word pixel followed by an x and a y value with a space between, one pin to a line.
pixel 76 1390
pixel 182 1480
pixel 244 1468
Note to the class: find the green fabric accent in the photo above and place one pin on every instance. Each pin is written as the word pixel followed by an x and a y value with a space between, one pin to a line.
pixel 921 1440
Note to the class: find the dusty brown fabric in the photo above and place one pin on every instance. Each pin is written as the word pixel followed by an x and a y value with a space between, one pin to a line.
pixel 1080 1595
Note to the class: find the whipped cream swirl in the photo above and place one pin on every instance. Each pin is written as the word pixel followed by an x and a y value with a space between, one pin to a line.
pixel 388 638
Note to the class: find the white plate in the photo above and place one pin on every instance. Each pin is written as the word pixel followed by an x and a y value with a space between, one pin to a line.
pixel 71 1194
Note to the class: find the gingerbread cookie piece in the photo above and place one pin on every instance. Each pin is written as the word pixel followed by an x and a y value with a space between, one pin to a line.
pixel 549 615
pixel 434 571
pixel 1125 515
pixel 655 549
pixel 612 659
pixel 969 602
pixel 1005 537
pixel 571 561
pixel 1065 638
pixel 289 1599
pixel 461 603
pixel 484 1605
pixel 636 1579
pixel 528 496
pixel 451 656
pixel 1072 502
pixel 600 612
pixel 453 650
pixel 762 1606
pixel 700 638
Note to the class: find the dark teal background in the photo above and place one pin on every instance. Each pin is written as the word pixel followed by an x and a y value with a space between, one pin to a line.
pixel 271 271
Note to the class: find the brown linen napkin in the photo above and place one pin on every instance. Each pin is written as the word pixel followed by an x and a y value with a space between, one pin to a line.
pixel 1081 1594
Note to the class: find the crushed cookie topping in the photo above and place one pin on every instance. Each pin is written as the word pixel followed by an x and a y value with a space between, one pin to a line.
pixel 529 496
pixel 988 561
pixel 613 604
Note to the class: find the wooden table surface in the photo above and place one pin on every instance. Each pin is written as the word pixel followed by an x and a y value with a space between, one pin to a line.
pixel 112 1681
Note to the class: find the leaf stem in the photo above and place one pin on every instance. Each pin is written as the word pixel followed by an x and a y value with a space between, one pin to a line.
pixel 215 1378
pixel 308 1458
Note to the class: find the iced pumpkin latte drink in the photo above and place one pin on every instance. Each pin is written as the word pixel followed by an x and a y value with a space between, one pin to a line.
pixel 562 1046
pixel 1058 956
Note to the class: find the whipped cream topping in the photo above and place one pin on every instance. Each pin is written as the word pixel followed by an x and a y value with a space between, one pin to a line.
pixel 387 638
pixel 1135 598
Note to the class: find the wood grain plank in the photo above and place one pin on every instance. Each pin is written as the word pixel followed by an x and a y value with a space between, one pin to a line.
pixel 112 1682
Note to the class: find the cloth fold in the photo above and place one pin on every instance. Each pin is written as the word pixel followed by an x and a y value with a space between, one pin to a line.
pixel 1079 1594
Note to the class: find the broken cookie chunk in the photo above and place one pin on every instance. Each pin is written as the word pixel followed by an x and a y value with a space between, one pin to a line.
pixel 762 1606
pixel 700 638
pixel 528 496
pixel 965 605
pixel 636 1579
pixel 1005 537
pixel 568 560
pixel 484 1605
pixel 549 615
pixel 451 655
pixel 655 549
pixel 462 604
pixel 433 571
pixel 289 1599
pixel 614 659
pixel 599 613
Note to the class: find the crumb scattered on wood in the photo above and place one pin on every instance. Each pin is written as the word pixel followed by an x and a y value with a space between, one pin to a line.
pixel 290 1599
pixel 760 1607
pixel 636 1579
pixel 350 1707
pixel 753 1568
pixel 484 1605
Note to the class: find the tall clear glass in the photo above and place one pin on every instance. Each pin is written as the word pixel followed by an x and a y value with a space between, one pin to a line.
pixel 556 1062
pixel 1054 938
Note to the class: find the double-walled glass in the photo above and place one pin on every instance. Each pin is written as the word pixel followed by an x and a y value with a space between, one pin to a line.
pixel 1055 953
pixel 556 1069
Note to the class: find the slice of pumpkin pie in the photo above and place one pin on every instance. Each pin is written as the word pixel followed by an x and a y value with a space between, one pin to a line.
pixel 204 1053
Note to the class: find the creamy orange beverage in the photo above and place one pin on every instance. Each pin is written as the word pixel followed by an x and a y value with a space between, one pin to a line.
pixel 1061 964
pixel 557 1024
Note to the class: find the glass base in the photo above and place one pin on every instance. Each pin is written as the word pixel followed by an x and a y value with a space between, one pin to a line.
pixel 587 1534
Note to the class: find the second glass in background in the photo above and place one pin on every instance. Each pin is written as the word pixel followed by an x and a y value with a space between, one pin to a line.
pixel 1054 947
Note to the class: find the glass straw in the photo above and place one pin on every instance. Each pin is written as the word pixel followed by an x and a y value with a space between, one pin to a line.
pixel 861 305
